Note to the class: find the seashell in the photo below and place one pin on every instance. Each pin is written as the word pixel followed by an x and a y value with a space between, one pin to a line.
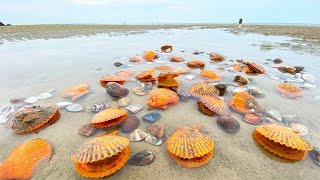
pixel 166 48
pixel 139 91
pixel 278 61
pixel 111 78
pixel 44 96
pixel 309 78
pixel 241 68
pixel 63 105
pixel 190 77
pixel 315 155
pixel 256 68
pixel 52 90
pixel 243 102
pixel 153 140
pixel 109 117
pixel 190 148
pixel 125 101
pixel 274 114
pixel 99 107
pixel 183 95
pixel 204 110
pixel 142 158
pixel 164 68
pixel 137 135
pixel 282 141
pixel 34 118
pixel 135 59
pixel 101 156
pixel 269 120
pixel 216 57
pixel 204 89
pixel 130 124
pixel 162 98
pixel 75 92
pixel 222 87
pixel 228 124
pixel 210 75
pixel 87 130
pixel 74 108
pixel 31 100
pixel 289 90
pixel 15 100
pixel 298 76
pixel 290 70
pixel 195 64
pixel 308 85
pixel 237 90
pixel 301 129
pixel 252 119
pixel 117 64
pixel 215 105
pixel 151 117
pixel 116 90
pixel 254 91
pixel 7 113
pixel 149 56
pixel 176 59
pixel 22 161
pixel 298 68
pixel 166 80
pixel 146 76
pixel 240 80
pixel 156 130
pixel 134 108
pixel 290 118
pixel 181 70
pixel 125 74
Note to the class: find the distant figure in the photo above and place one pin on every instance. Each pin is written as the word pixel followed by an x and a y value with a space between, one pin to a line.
pixel 240 23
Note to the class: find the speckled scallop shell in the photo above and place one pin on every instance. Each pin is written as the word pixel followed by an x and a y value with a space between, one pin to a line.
pixel 111 78
pixel 149 55
pixel 167 80
pixel 189 147
pixel 22 161
pixel 282 141
pixel 210 75
pixel 216 57
pixel 243 102
pixel 289 90
pixel 195 63
pixel 75 92
pixel 215 105
pixel 34 118
pixel 166 48
pixel 162 98
pixel 101 156
pixel 109 117
pixel 164 68
pixel 204 89
pixel 176 59
pixel 256 68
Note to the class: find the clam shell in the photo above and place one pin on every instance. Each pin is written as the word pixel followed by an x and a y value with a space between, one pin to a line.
pixel 63 105
pixel 134 108
pixel 139 91
pixel 74 108
pixel 290 118
pixel 274 114
pixel 116 90
pixel 87 130
pixel 22 161
pixel 31 100
pixel 125 101
pixel 142 158
pixel 302 130
pixel 130 124
pixel 228 124
pixel 137 135
pixel 44 96
pixel 153 140
pixel 151 117
pixel 156 130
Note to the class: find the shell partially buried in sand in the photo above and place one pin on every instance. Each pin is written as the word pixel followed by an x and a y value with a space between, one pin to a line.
pixel 176 59
pixel 22 161
pixel 282 141
pixel 190 148
pixel 162 98
pixel 75 92
pixel 164 68
pixel 289 90
pixel 109 117
pixel 101 156
pixel 111 78
pixel 34 118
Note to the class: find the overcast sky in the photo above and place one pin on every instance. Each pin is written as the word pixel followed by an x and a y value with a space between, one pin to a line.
pixel 158 11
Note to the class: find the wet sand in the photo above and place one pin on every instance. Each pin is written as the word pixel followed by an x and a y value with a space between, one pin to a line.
pixel 236 156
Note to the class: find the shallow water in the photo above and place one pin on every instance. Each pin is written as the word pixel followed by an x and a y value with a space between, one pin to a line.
pixel 32 67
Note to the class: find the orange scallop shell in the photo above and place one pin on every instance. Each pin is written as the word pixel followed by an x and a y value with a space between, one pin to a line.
pixel 204 89
pixel 216 57
pixel 22 161
pixel 182 70
pixel 256 68
pixel 211 75
pixel 109 117
pixel 111 78
pixel 282 141
pixel 125 73
pixel 135 59
pixel 146 73
pixel 242 68
pixel 243 102
pixel 253 119
pixel 215 105
pixel 176 59
pixel 162 98
pixel 35 118
pixel 167 80
pixel 149 55
pixel 165 68
pixel 189 147
pixel 75 92
pixel 203 109
pixel 195 63
pixel 289 90
pixel 166 47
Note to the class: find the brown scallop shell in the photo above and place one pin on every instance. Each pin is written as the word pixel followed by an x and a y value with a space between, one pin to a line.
pixel 149 55
pixel 166 48
pixel 203 109
pixel 216 57
pixel 35 118
pixel 289 90
pixel 204 89
pixel 156 130
pixel 111 78
pixel 210 75
pixel 195 63
pixel 162 98
pixel 256 68
pixel 242 68
pixel 176 59
pixel 75 92
pixel 215 105
pixel 109 117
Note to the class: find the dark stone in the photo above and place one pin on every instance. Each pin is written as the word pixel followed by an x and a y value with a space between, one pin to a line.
pixel 152 117
pixel 228 124
pixel 278 61
pixel 117 64
pixel 1 24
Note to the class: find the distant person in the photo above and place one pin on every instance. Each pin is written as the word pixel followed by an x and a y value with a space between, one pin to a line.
pixel 240 23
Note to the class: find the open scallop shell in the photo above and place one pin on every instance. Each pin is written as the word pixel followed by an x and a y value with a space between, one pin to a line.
pixel 210 75
pixel 109 117
pixel 243 102
pixel 289 90
pixel 256 68
pixel 149 55
pixel 215 105
pixel 167 80
pixel 111 78
pixel 162 98
pixel 204 89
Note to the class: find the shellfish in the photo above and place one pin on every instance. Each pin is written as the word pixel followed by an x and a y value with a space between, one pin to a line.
pixel 135 59
pixel 156 130
pixel 216 57
pixel 243 102
pixel 162 98
pixel 240 80
pixel 256 68
pixel 99 107
pixel 214 105
pixel 142 158
pixel 164 68
pixel 149 56
pixel 153 140
pixel 111 78
pixel 74 108
pixel 87 130
pixel 176 59
pixel 166 48
pixel 146 76
pixel 75 92
pixel 166 80
pixel 204 89
pixel 252 119
pixel 228 124
pixel 125 101
pixel 140 91
pixel 210 75
pixel 130 124
pixel 151 117
pixel 109 117
pixel 289 90
pixel 134 108
pixel 196 64
pixel 137 135
pixel 116 90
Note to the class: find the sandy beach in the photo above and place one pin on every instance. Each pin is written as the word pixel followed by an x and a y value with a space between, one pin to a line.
pixel 37 58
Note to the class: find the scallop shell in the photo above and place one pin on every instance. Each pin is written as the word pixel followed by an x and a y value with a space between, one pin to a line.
pixel 156 130
pixel 166 48
pixel 210 75
pixel 167 80
pixel 125 101
pixel 135 59
pixel 63 105
pixel 289 90
pixel 130 124
pixel 228 124
pixel 34 118
pixel 111 78
pixel 195 63
pixel 142 158
pixel 216 57
pixel 153 140
pixel 137 135
pixel 75 92
pixel 164 68
pixel 22 161
pixel 162 98
pixel 31 100
pixel 215 105
pixel 203 109
pixel 256 68
pixel 282 141
pixel 109 117
pixel 146 73
pixel 204 89
pixel 194 162
pixel 176 59
pixel 149 55
pixel 243 102
pixel 252 119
